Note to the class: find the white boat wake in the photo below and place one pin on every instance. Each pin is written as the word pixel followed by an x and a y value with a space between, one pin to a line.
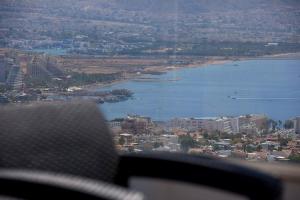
pixel 264 98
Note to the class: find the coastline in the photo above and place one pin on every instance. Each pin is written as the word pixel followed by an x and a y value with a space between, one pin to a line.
pixel 163 69
pixel 184 100
pixel 288 56
pixel 203 63
pixel 137 69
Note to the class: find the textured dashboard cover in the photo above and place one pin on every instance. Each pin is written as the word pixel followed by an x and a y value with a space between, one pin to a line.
pixel 44 185
pixel 70 138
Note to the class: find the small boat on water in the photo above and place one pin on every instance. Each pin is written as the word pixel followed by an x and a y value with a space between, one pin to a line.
pixel 232 97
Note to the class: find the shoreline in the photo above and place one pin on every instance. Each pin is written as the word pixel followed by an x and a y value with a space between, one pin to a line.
pixel 186 63
pixel 196 64
pixel 163 69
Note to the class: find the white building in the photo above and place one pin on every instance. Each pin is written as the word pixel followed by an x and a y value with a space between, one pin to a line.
pixel 297 125
pixel 222 124
pixel 114 124
pixel 235 125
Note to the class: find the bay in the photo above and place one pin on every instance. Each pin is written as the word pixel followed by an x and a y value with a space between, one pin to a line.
pixel 270 87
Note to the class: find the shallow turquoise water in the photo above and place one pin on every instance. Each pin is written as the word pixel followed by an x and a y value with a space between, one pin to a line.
pixel 54 52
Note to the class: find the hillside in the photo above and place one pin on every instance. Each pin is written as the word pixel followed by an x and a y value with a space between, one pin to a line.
pixel 137 25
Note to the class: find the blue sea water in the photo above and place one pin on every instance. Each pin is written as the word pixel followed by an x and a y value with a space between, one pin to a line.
pixel 270 87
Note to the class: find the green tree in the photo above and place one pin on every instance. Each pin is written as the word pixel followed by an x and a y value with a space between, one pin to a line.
pixel 294 158
pixel 250 148
pixel 225 135
pixel 3 88
pixel 258 148
pixel 244 147
pixel 215 135
pixel 157 144
pixel 121 140
pixel 283 141
pixel 273 124
pixel 186 142
pixel 288 124
pixel 205 135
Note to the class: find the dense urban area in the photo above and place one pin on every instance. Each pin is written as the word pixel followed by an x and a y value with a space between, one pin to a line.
pixel 251 137
pixel 149 27
pixel 62 50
